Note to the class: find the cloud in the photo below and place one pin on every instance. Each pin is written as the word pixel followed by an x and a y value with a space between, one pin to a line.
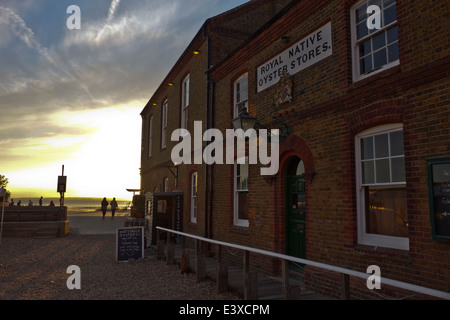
pixel 112 9
pixel 20 29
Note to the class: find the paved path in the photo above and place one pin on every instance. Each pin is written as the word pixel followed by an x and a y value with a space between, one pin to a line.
pixel 93 223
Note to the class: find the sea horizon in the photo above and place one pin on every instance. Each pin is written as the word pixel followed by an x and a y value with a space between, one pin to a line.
pixel 86 203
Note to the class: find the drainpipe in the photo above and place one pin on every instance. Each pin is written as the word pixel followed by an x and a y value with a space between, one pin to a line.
pixel 207 229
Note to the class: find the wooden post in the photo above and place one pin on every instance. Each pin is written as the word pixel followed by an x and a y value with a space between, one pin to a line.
pixel 160 245
pixel 200 261
pixel 222 272
pixel 345 286
pixel 170 249
pixel 285 276
pixel 250 280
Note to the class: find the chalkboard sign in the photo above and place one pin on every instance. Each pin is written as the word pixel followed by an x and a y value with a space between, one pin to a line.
pixel 129 243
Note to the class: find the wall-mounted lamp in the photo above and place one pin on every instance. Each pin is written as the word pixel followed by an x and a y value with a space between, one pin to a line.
pixel 196 52
pixel 154 104
pixel 174 171
pixel 245 121
pixel 171 83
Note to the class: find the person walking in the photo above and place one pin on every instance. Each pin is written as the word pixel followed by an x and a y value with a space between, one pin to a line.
pixel 104 207
pixel 40 201
pixel 114 206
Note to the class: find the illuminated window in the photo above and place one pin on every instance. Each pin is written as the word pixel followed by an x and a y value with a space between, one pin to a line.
pixel 381 187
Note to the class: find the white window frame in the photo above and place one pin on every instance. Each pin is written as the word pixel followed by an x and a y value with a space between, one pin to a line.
pixel 194 199
pixel 165 108
pixel 166 185
pixel 238 100
pixel 185 102
pixel 364 237
pixel 355 43
pixel 236 220
pixel 150 136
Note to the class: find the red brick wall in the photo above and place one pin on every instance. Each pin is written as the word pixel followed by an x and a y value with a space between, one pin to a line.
pixel 324 122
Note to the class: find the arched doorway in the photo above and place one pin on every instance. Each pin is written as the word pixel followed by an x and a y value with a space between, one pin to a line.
pixel 295 208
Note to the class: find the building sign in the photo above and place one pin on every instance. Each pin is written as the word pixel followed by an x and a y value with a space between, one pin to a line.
pixel 306 52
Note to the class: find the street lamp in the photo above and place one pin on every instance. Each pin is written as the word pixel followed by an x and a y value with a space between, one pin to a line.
pixel 245 121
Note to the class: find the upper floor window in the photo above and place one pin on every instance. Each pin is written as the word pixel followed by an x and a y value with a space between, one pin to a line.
pixel 166 185
pixel 381 187
pixel 164 124
pixel 240 94
pixel 375 47
pixel 185 102
pixel 150 136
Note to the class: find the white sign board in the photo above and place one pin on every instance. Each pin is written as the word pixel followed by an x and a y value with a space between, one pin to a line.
pixel 306 52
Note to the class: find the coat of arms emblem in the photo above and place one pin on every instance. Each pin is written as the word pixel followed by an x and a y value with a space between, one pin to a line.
pixel 284 89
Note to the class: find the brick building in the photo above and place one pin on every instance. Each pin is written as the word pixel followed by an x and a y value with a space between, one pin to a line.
pixel 364 171
pixel 184 96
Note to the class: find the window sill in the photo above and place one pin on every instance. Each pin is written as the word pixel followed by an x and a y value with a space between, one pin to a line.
pixel 382 251
pixel 377 76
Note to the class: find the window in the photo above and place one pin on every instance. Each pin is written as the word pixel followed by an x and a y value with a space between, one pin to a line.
pixel 166 185
pixel 164 125
pixel 241 194
pixel 240 94
pixel 150 136
pixel 194 183
pixel 381 187
pixel 374 49
pixel 185 103
pixel 439 197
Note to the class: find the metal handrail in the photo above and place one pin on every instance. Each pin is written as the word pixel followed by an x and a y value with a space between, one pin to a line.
pixel 387 281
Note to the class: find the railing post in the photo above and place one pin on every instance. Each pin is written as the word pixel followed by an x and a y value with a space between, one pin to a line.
pixel 222 271
pixel 170 249
pixel 200 261
pixel 345 286
pixel 160 245
pixel 250 279
pixel 285 276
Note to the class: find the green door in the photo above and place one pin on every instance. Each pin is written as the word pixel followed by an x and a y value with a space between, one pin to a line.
pixel 295 216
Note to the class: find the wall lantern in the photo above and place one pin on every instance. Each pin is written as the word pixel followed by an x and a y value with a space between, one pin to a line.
pixel 196 52
pixel 245 121
pixel 171 83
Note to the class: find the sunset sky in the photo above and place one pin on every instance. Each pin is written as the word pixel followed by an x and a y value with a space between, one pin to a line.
pixel 74 97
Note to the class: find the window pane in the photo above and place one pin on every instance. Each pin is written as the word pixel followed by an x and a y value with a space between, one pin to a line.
pixel 242 205
pixel 379 59
pixel 381 146
pixel 397 143
pixel 392 34
pixel 367 172
pixel 379 41
pixel 386 212
pixel 390 15
pixel 393 52
pixel 383 172
pixel 366 64
pixel 398 169
pixel 361 13
pixel 367 148
pixel 361 30
pixel 365 48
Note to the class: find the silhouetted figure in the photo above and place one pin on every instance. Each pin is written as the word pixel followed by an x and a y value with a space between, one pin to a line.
pixel 114 206
pixel 30 203
pixel 52 204
pixel 40 202
pixel 12 203
pixel 104 207
pixel 19 203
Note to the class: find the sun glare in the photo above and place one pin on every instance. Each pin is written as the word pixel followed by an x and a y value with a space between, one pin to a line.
pixel 104 161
